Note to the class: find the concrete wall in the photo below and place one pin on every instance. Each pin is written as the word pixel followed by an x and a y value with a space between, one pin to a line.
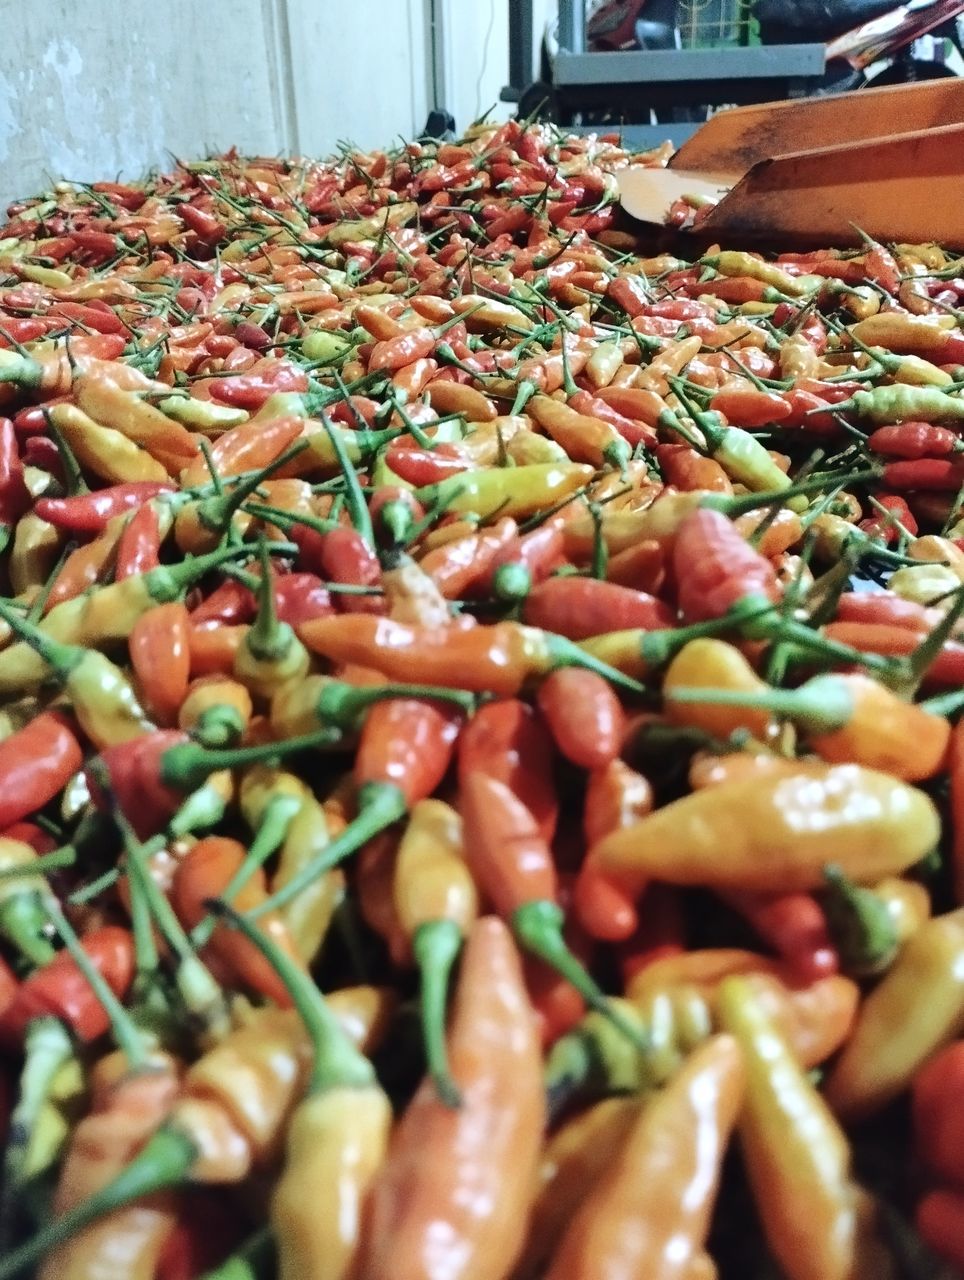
pixel 104 88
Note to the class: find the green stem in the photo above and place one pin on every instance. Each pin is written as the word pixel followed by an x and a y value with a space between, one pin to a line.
pixel 56 860
pixel 47 1047
pixel 565 653
pixel 268 640
pixel 379 805
pixel 340 705
pixel 164 1162
pixel 169 581
pixel 215 513
pixel 354 498
pixel 436 946
pixel 269 837
pixel 74 477
pixel 861 926
pixel 22 923
pixel 822 705
pixel 538 927
pixel 337 1063
pixel 201 993
pixel 61 658
pixel 128 1038
pixel 188 765
pixel 250 1263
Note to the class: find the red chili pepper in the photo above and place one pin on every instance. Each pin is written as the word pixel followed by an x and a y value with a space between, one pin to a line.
pixel 36 763
pixel 687 469
pixel 98 245
pixel 15 497
pixel 885 608
pixel 230 602
pixel 794 925
pixel 396 353
pixel 95 315
pixel 60 990
pixel 425 466
pixel 584 715
pixel 913 440
pixel 407 743
pixel 134 773
pixel 537 552
pixel 204 225
pixel 629 294
pixel 90 512
pixel 160 657
pixel 716 568
pixel 750 407
pixel 940 1221
pixel 139 548
pixel 507 740
pixel 938 1112
pixel 513 868
pixel 630 429
pixel 898 642
pixel 262 380
pixel 925 473
pixel 299 597
pixel 24 329
pixel 583 607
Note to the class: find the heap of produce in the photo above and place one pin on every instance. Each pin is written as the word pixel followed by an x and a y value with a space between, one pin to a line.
pixel 481 773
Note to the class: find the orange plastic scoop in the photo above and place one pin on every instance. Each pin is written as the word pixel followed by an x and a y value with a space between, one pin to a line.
pixel 889 161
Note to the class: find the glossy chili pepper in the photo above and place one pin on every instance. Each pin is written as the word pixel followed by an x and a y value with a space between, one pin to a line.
pixel 36 763
pixel 14 494
pixel 336 1139
pixel 870 823
pixel 938 1114
pixel 506 740
pixel 436 902
pixel 253 389
pixel 160 659
pixel 794 925
pixel 59 989
pixel 90 512
pixel 138 550
pixel 100 694
pixel 798 1158
pixel 206 871
pixel 716 569
pixel 675 1149
pixel 896 1031
pixel 513 867
pixel 496 658
pixel 714 662
pixel 584 716
pixel 583 607
pixel 483 1156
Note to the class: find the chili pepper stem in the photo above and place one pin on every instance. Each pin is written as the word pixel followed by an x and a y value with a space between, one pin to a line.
pixel 341 704
pixel 336 1060
pixel 62 658
pixel 354 498
pixel 272 829
pixel 538 926
pixel 169 581
pixel 187 766
pixel 129 1038
pixel 218 727
pixel 566 653
pixel 21 923
pixel 47 1047
pixel 268 638
pixel 379 805
pixel 163 1163
pixel 436 945
pixel 822 704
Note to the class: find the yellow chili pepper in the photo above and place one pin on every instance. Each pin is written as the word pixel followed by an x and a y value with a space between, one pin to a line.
pixel 917 1007
pixel 512 491
pixel 107 452
pixel 797 1157
pixel 778 833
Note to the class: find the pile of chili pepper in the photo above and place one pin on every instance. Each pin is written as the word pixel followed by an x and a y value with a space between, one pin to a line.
pixel 481 756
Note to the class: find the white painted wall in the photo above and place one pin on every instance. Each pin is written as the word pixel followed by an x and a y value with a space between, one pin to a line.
pixel 92 90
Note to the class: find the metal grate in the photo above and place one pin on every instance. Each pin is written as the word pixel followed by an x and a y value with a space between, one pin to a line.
pixel 712 23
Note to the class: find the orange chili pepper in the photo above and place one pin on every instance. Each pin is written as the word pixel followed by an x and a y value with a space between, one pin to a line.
pixel 160 656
